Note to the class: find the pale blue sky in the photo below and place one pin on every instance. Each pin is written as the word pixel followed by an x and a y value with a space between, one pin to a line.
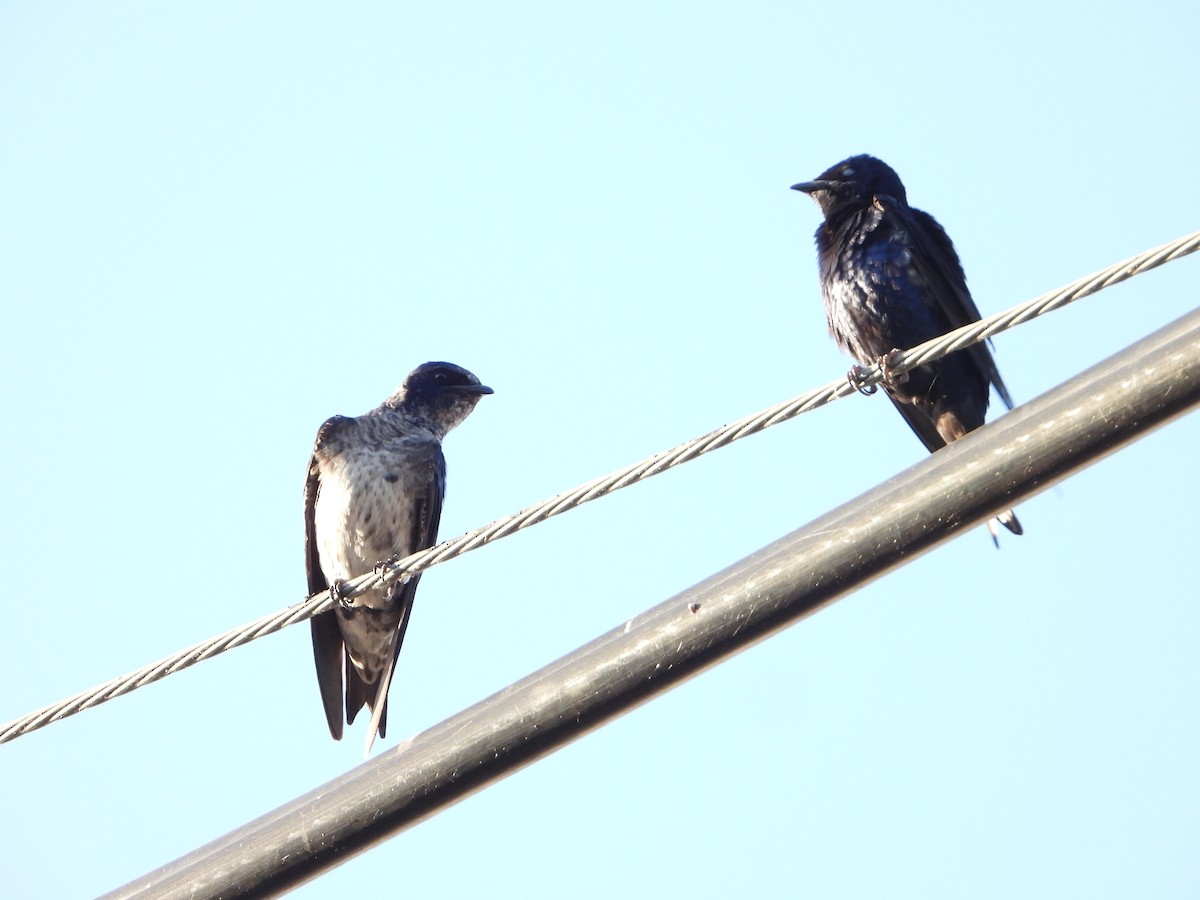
pixel 221 225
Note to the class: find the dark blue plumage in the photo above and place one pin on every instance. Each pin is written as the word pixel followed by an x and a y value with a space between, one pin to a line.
pixel 891 280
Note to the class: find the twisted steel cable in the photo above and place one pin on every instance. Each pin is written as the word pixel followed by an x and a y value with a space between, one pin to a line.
pixel 654 465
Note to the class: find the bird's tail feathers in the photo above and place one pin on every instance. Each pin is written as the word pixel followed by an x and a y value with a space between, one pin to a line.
pixel 1009 520
pixel 378 705
pixel 358 692
pixel 378 701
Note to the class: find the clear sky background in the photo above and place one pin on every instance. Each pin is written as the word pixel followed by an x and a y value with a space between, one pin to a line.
pixel 221 224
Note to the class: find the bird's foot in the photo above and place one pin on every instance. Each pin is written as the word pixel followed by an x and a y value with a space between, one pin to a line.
pixel 384 566
pixel 337 593
pixel 857 376
pixel 887 364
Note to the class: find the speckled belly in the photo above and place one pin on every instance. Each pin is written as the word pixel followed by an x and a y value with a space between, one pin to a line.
pixel 361 518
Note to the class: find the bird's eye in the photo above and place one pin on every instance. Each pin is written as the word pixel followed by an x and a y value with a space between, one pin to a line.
pixel 439 377
pixel 848 171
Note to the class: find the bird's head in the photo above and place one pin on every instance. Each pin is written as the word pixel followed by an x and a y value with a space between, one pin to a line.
pixel 851 184
pixel 440 392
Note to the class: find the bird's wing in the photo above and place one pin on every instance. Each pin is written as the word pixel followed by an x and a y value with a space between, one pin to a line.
pixel 918 420
pixel 428 460
pixel 940 268
pixel 326 636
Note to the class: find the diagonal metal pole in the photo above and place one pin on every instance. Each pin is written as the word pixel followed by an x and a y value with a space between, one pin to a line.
pixel 1022 453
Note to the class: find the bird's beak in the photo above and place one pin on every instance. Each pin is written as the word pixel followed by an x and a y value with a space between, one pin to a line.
pixel 811 187
pixel 476 389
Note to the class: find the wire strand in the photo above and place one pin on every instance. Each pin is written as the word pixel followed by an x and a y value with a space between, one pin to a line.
pixel 600 487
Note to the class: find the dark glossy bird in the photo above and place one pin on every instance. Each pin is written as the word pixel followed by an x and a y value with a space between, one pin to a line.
pixel 374 492
pixel 891 280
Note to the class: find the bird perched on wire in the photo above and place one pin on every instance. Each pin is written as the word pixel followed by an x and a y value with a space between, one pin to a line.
pixel 374 493
pixel 891 280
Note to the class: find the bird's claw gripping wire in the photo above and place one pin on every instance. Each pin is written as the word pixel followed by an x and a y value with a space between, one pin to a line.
pixel 384 568
pixel 858 375
pixel 887 365
pixel 337 593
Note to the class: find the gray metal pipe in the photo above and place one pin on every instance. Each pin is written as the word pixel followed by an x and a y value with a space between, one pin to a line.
pixel 1021 454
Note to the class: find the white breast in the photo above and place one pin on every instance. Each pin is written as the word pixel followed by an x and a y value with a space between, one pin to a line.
pixel 362 518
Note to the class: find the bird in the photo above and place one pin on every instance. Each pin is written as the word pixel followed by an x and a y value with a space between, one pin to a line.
pixel 374 494
pixel 891 279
